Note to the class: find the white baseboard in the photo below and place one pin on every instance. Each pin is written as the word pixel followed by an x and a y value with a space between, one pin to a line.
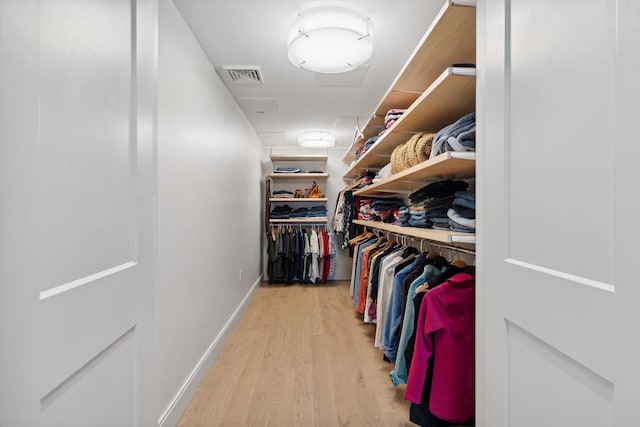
pixel 174 411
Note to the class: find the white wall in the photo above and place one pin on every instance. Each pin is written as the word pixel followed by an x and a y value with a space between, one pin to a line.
pixel 208 212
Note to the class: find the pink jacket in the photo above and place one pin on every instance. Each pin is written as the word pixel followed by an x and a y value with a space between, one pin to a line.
pixel 447 311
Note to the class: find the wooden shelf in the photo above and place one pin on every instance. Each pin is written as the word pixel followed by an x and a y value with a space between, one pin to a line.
pixel 422 233
pixel 299 175
pixel 449 98
pixel 295 200
pixel 451 39
pixel 446 165
pixel 307 158
pixel 300 220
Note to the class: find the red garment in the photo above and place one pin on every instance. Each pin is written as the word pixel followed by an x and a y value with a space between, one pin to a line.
pixel 327 257
pixel 447 311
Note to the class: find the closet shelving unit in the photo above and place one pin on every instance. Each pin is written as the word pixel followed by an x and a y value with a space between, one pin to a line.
pixel 441 236
pixel 433 99
pixel 450 97
pixel 446 165
pixel 304 179
pixel 301 176
pixel 449 40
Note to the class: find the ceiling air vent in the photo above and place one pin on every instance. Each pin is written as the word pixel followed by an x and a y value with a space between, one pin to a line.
pixel 244 74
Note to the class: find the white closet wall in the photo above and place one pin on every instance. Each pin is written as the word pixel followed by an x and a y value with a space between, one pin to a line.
pixel 208 213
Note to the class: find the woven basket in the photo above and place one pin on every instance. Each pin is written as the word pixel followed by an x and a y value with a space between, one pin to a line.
pixel 403 157
pixel 411 154
pixel 396 166
pixel 423 146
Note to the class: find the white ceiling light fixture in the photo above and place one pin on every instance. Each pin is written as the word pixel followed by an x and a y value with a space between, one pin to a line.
pixel 330 40
pixel 317 139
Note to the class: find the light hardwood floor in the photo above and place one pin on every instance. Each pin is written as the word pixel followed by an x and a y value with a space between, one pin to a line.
pixel 299 356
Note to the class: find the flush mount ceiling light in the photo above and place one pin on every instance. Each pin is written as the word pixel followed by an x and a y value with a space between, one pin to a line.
pixel 330 40
pixel 316 139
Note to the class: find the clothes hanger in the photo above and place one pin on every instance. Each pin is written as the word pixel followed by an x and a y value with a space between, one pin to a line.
pixel 422 288
pixel 457 262
pixel 361 238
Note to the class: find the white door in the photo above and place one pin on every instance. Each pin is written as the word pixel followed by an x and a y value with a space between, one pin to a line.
pixel 76 229
pixel 559 178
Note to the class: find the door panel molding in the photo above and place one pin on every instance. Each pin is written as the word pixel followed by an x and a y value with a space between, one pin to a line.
pixel 66 287
pixel 559 385
pixel 562 275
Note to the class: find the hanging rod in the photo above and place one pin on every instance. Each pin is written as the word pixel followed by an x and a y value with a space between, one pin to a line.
pixel 428 242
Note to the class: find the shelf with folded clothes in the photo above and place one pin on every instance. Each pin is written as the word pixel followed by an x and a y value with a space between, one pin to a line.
pixel 287 213
pixel 442 236
pixel 446 205
pixel 450 97
pixel 299 158
pixel 298 199
pixel 301 175
pixel 451 164
pixel 300 220
pixel 451 39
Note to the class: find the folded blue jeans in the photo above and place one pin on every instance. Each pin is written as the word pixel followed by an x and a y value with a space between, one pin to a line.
pixel 460 220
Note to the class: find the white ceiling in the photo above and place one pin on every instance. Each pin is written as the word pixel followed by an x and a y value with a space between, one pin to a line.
pixel 291 100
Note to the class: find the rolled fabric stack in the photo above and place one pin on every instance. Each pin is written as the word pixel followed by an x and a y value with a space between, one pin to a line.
pixel 430 204
pixel 411 153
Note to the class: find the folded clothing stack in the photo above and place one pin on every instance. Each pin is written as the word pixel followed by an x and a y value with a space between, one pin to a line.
pixel 299 213
pixel 403 216
pixel 283 194
pixel 379 209
pixel 390 118
pixel 430 205
pixel 287 212
pixel 317 212
pixel 361 150
pixel 458 136
pixel 370 142
pixel 383 173
pixel 281 212
pixel 462 214
pixel 362 182
pixel 287 170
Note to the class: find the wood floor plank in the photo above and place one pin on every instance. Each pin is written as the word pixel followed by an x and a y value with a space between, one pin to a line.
pixel 299 356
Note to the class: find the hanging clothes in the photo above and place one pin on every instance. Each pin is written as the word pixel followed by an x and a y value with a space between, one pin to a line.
pixel 302 256
pixel 390 281
pixel 430 272
pixel 445 345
